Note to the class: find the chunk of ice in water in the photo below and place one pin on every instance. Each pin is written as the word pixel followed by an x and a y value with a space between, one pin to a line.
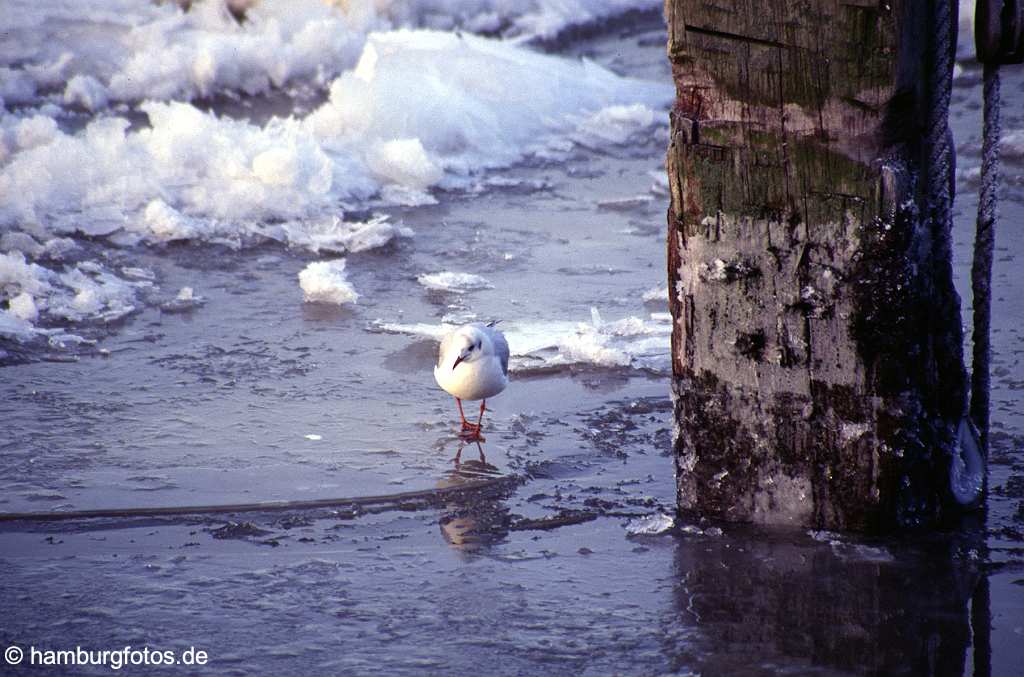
pixel 14 327
pixel 650 525
pixel 660 185
pixel 326 282
pixel 655 294
pixel 138 273
pixel 22 242
pixel 615 124
pixel 625 204
pixel 24 306
pixel 823 536
pixel 458 283
pixel 185 300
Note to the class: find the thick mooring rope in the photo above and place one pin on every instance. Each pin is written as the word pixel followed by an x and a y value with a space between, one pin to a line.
pixel 981 268
pixel 938 143
pixel 967 468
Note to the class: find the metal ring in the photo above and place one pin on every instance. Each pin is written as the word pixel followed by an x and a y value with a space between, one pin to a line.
pixel 1013 31
pixel 988 30
pixel 999 31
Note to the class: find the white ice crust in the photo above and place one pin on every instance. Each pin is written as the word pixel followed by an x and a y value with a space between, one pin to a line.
pixel 630 343
pixel 451 281
pixel 409 112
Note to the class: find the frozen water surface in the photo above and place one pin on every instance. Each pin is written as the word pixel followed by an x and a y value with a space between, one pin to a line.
pixel 160 352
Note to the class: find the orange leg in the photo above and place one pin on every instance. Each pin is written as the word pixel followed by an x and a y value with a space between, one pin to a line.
pixel 466 425
pixel 470 431
pixel 480 421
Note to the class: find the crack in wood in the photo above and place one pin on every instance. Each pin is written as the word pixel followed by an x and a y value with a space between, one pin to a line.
pixel 734 36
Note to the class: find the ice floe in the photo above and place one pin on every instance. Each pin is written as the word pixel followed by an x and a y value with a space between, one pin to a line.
pixel 650 525
pixel 655 294
pixel 326 282
pixel 615 125
pixel 458 283
pixel 84 291
pixel 185 301
pixel 12 326
pixel 334 234
pixel 632 342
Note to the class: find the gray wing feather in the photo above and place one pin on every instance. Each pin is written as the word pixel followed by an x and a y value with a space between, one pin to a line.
pixel 500 348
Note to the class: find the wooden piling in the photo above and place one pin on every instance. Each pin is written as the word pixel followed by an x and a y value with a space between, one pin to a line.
pixel 817 357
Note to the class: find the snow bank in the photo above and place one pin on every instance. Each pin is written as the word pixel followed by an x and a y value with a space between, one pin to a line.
pixel 461 103
pixel 156 183
pixel 420 109
pixel 631 343
pixel 91 54
pixel 326 282
pixel 409 112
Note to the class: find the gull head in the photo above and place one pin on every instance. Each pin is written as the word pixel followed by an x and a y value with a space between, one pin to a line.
pixel 469 344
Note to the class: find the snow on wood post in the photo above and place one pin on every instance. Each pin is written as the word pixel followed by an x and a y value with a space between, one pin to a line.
pixel 817 346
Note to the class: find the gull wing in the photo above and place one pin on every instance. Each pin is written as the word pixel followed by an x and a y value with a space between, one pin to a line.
pixel 500 347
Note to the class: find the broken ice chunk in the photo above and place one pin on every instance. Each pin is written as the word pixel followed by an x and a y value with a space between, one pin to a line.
pixel 650 525
pixel 185 301
pixel 326 282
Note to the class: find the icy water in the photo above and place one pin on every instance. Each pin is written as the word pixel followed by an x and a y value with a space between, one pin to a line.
pixel 253 395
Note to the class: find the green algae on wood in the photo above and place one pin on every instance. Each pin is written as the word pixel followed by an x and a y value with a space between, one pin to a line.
pixel 816 347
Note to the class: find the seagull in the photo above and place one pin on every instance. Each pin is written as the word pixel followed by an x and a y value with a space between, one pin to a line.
pixel 472 364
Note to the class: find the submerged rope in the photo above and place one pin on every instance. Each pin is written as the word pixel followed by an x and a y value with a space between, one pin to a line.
pixel 981 268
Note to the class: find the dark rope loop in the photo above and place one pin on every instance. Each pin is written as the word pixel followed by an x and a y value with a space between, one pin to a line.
pixel 981 268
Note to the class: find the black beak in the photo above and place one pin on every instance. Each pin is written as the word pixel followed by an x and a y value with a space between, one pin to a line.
pixel 457 360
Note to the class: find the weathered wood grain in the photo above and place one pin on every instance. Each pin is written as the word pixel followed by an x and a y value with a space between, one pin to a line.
pixel 816 344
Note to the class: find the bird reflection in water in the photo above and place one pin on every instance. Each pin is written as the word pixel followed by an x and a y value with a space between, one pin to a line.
pixel 473 520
